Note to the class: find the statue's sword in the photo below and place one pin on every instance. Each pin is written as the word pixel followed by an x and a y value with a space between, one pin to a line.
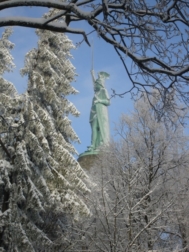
pixel 92 55
pixel 92 62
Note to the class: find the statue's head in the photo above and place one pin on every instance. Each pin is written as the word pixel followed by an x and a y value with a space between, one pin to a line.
pixel 103 75
pixel 99 83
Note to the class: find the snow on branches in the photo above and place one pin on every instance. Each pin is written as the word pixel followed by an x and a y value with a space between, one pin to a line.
pixel 38 173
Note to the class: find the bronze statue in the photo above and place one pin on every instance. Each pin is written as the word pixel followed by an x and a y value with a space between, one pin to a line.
pixel 99 112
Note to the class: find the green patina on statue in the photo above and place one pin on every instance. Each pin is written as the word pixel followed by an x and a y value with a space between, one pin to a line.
pixel 99 114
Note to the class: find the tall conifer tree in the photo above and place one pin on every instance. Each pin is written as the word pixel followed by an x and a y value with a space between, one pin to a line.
pixel 40 178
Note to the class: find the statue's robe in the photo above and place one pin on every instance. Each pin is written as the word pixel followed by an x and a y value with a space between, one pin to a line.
pixel 99 111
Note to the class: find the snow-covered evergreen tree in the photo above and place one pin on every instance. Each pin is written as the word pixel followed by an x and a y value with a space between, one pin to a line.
pixel 40 179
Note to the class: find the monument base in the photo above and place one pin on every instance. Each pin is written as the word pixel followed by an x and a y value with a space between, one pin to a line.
pixel 87 159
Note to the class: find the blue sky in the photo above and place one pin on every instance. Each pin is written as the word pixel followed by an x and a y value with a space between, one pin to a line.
pixel 105 59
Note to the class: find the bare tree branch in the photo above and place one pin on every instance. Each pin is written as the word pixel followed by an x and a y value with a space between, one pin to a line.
pixel 153 36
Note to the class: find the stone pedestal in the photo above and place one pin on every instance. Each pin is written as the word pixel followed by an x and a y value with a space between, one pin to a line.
pixel 87 161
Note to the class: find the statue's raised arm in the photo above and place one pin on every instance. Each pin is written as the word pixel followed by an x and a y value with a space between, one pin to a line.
pixel 93 77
